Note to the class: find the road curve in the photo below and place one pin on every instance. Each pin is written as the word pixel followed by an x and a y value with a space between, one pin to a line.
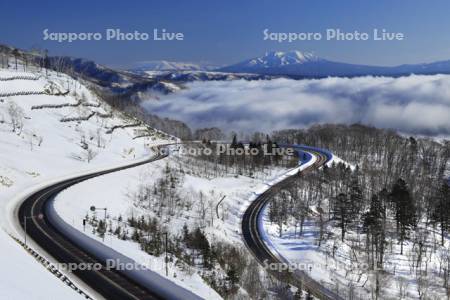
pixel 110 284
pixel 253 237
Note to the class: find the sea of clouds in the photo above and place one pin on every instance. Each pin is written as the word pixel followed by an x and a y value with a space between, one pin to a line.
pixel 414 104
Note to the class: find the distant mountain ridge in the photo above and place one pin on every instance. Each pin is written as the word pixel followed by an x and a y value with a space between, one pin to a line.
pixel 164 65
pixel 277 59
pixel 308 65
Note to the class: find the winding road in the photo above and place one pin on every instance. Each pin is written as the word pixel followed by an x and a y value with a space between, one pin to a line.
pixel 34 214
pixel 254 237
pixel 107 282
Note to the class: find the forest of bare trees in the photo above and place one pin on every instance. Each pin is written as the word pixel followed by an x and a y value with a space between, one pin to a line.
pixel 396 194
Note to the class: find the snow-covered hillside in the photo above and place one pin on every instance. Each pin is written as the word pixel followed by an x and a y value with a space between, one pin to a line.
pixel 51 127
pixel 337 266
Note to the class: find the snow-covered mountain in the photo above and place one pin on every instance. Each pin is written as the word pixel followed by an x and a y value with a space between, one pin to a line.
pixel 298 64
pixel 189 76
pixel 163 65
pixel 276 59
pixel 164 72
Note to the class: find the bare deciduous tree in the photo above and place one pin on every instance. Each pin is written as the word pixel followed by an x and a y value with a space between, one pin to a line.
pixel 16 116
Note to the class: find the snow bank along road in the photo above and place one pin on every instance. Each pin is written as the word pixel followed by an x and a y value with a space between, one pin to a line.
pixel 67 246
pixel 254 236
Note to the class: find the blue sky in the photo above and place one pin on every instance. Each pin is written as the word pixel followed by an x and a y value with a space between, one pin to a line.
pixel 229 31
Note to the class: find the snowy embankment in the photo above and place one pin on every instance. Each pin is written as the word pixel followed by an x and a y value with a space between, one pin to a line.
pixel 37 148
pixel 106 253
pixel 110 191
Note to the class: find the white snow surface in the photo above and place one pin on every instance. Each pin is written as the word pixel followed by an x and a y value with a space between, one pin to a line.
pixel 44 150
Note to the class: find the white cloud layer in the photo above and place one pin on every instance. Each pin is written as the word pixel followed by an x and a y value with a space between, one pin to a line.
pixel 414 104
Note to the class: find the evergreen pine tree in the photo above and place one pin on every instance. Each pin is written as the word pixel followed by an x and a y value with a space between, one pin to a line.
pixel 344 212
pixel 405 209
pixel 441 209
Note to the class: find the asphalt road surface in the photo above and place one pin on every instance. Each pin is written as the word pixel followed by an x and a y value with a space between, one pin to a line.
pixel 111 284
pixel 253 237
